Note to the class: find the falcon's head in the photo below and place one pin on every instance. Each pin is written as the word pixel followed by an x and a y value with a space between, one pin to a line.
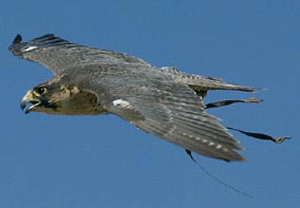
pixel 57 96
pixel 46 98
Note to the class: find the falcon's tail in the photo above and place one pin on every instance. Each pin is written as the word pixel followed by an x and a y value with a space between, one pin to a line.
pixel 205 84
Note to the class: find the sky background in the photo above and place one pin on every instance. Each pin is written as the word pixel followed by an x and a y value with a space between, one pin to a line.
pixel 102 161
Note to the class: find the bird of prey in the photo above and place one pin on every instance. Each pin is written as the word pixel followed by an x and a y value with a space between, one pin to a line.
pixel 165 102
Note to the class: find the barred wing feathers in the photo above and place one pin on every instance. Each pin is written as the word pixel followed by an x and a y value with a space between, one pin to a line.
pixel 180 119
pixel 171 111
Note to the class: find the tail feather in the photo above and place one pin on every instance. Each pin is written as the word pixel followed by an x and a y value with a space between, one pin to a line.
pixel 204 85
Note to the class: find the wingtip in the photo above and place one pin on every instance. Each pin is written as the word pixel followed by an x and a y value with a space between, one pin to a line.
pixel 231 156
pixel 18 39
pixel 15 45
pixel 234 157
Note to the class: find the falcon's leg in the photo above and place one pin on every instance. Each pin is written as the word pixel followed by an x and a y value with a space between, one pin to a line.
pixel 229 102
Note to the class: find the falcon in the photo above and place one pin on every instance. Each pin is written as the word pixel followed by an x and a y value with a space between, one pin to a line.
pixel 162 101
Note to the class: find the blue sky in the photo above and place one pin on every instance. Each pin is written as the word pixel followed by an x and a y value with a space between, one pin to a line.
pixel 102 161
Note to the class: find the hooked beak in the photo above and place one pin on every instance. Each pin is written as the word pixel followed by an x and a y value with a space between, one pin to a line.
pixel 28 98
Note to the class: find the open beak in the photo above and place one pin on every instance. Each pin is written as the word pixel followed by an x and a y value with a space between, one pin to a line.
pixel 29 99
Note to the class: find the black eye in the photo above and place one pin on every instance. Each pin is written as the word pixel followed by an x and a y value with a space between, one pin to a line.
pixel 41 90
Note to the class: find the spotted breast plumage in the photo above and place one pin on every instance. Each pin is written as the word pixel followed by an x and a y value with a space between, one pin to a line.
pixel 162 101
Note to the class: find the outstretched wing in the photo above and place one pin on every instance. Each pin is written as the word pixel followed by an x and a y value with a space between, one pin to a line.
pixel 57 54
pixel 177 116
pixel 171 111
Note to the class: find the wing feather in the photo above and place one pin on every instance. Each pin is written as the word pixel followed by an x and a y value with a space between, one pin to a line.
pixel 58 54
pixel 196 131
pixel 169 110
